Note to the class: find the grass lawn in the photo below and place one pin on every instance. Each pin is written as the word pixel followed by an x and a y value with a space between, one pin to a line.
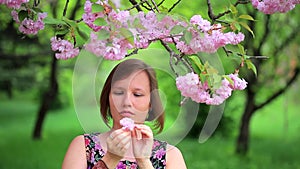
pixel 272 147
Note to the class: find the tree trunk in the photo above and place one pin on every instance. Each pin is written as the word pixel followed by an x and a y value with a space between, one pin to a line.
pixel 243 138
pixel 47 100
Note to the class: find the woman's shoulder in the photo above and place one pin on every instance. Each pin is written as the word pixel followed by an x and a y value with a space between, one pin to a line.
pixel 174 157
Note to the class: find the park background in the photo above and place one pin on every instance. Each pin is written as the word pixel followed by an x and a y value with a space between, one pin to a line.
pixel 26 64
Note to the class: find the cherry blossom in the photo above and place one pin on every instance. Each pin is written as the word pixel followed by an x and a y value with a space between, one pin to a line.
pixel 273 6
pixel 64 48
pixel 16 4
pixel 127 123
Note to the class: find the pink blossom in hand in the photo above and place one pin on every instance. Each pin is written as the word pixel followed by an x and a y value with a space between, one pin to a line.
pixel 16 4
pixel 64 48
pixel 127 123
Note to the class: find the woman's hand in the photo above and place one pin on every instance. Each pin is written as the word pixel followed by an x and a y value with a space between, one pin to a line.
pixel 142 142
pixel 118 142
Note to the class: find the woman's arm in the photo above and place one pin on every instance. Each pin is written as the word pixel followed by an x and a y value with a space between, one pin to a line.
pixel 75 157
pixel 174 158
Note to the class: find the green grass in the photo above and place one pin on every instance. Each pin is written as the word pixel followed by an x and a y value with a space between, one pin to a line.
pixel 273 144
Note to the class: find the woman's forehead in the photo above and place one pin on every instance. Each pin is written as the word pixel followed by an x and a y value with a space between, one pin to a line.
pixel 139 80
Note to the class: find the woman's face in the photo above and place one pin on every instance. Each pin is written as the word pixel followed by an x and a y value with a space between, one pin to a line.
pixel 130 97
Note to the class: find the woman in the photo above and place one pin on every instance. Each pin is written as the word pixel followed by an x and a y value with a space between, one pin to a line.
pixel 130 91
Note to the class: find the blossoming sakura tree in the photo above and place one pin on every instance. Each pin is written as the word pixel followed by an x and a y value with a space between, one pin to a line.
pixel 117 33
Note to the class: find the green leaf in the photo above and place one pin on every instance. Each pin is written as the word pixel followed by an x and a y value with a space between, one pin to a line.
pixel 197 62
pixel 233 9
pixel 70 22
pixel 160 16
pixel 103 34
pixel 251 66
pixel 247 27
pixel 127 34
pixel 188 37
pixel 97 8
pixel 62 32
pixel 242 49
pixel 177 29
pixel 53 21
pixel 82 34
pixel 22 15
pixel 237 26
pixel 100 22
pixel 37 10
pixel 247 17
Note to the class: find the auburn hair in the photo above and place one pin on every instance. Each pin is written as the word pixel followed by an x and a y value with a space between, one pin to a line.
pixel 124 70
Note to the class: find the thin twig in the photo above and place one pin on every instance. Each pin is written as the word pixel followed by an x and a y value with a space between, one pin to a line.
pixel 36 3
pixel 66 7
pixel 150 7
pixel 213 17
pixel 177 56
pixel 136 5
pixel 174 5
pixel 161 2
pixel 154 4
pixel 135 51
pixel 249 57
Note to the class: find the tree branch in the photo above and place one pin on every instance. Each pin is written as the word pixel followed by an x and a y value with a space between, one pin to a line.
pixel 178 58
pixel 136 5
pixel 213 17
pixel 66 7
pixel 174 5
pixel 281 91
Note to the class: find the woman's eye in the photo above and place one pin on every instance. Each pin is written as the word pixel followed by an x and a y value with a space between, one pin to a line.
pixel 118 92
pixel 138 94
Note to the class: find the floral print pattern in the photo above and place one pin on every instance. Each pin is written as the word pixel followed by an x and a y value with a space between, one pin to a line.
pixel 94 153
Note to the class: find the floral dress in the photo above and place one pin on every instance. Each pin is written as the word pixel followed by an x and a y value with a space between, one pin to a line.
pixel 94 152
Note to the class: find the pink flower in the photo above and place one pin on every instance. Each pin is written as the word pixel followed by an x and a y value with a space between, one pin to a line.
pixel 28 26
pixel 15 16
pixel 16 4
pixel 238 84
pixel 273 6
pixel 89 17
pixel 64 48
pixel 159 153
pixel 127 123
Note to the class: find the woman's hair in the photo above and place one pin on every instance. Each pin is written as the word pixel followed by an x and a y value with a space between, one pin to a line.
pixel 124 70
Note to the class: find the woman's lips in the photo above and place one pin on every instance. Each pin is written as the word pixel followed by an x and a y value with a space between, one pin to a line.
pixel 127 113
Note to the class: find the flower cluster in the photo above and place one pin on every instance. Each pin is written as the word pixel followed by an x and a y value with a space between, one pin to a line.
pixel 89 17
pixel 127 123
pixel 200 92
pixel 273 6
pixel 128 32
pixel 65 48
pixel 29 26
pixel 207 38
pixel 16 4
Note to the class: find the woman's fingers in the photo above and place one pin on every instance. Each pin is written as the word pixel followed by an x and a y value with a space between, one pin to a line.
pixel 143 131
pixel 118 142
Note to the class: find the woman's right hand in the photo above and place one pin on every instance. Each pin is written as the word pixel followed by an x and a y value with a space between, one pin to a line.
pixel 118 142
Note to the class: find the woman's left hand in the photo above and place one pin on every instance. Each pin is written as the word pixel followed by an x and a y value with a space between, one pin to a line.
pixel 142 142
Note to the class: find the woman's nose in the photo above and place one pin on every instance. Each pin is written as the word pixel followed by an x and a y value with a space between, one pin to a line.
pixel 127 100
